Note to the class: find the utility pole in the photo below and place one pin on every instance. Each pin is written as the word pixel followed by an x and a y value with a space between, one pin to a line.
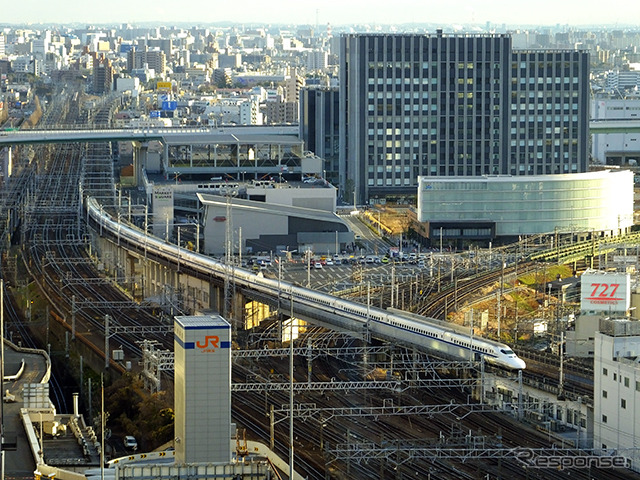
pixel 102 426
pixel 197 235
pixel 393 281
pixel 178 269
pixel 228 293
pixel 2 378
pixel 291 437
pixel 500 296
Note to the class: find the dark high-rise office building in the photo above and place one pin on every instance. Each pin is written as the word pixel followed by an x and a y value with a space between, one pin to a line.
pixel 320 125
pixel 440 105
pixel 102 74
pixel 549 121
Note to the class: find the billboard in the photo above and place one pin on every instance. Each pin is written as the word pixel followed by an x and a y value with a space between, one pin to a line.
pixel 605 292
pixel 164 85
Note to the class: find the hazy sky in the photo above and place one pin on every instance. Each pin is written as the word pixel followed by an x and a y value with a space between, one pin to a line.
pixel 336 12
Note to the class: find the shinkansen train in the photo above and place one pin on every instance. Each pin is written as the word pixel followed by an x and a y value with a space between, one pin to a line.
pixel 428 335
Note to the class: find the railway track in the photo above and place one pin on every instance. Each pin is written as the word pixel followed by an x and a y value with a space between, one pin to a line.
pixel 55 250
pixel 439 304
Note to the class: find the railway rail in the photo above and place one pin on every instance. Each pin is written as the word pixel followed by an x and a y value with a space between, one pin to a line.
pixel 55 250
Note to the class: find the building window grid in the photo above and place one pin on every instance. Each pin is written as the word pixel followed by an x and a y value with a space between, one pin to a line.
pixel 460 155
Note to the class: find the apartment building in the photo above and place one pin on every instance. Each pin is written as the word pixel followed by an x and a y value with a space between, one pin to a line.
pixel 154 59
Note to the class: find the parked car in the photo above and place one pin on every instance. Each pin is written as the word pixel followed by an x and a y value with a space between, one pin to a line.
pixel 130 443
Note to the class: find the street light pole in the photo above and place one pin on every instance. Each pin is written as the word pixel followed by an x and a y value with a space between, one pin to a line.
pixel 178 248
pixel 197 236
pixel 146 228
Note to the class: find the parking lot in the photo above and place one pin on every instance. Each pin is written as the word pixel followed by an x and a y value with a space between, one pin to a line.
pixel 331 275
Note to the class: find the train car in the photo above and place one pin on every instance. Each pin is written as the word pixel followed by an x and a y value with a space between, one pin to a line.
pixel 452 340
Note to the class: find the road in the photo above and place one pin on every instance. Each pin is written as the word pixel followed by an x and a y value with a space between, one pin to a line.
pixel 368 240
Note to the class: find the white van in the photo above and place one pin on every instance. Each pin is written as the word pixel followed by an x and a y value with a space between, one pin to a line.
pixel 130 443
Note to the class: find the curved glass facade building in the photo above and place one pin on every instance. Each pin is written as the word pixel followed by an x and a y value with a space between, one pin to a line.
pixel 504 206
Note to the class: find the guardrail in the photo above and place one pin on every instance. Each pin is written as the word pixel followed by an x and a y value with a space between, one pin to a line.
pixel 47 375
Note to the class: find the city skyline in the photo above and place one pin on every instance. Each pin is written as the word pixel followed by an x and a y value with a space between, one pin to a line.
pixel 452 14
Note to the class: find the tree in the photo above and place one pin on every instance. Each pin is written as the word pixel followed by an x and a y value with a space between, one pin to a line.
pixel 132 411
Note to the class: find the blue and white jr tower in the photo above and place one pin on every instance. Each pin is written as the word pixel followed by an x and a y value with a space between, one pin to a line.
pixel 202 348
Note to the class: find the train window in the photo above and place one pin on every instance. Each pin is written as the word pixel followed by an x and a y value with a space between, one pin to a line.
pixel 506 351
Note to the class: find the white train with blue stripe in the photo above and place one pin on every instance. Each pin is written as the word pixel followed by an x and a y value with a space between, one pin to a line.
pixel 421 333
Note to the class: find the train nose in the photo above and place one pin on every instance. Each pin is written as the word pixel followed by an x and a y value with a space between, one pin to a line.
pixel 519 363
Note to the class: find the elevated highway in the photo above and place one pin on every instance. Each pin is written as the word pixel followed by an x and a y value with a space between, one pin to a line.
pixel 255 149
pixel 177 136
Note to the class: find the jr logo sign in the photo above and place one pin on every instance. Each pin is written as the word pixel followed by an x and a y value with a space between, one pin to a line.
pixel 211 342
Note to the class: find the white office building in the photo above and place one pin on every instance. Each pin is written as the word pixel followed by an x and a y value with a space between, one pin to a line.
pixel 616 148
pixel 621 79
pixel 617 389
